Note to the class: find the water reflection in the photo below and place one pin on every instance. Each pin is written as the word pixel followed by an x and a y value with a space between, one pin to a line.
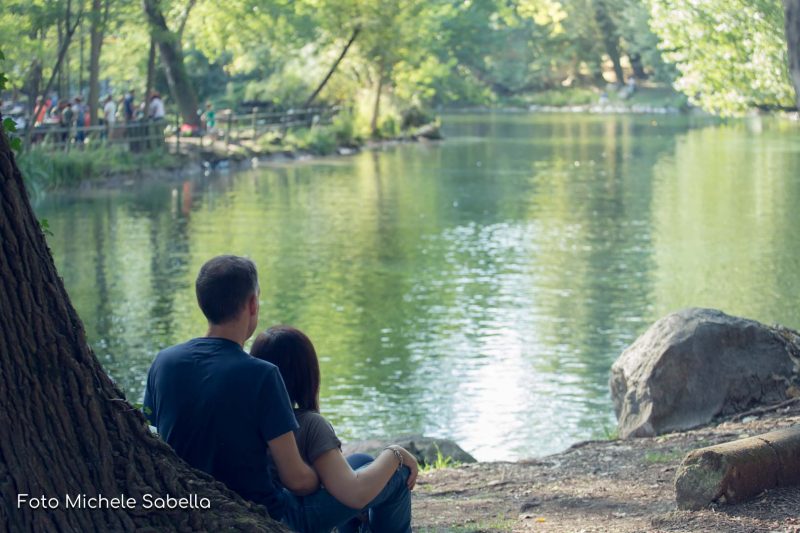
pixel 477 289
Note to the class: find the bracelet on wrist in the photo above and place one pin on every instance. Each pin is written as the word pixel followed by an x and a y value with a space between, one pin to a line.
pixel 397 454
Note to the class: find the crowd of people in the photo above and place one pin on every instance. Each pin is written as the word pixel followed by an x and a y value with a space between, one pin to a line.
pixel 72 117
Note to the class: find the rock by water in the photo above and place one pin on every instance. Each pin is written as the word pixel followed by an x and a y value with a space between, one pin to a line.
pixel 426 449
pixel 696 364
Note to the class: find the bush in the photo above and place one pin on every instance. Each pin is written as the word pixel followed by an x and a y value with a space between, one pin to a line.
pixel 344 128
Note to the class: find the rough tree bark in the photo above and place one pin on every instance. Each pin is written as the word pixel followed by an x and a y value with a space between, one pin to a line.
pixel 610 36
pixel 67 428
pixel 172 60
pixel 99 21
pixel 333 68
pixel 792 10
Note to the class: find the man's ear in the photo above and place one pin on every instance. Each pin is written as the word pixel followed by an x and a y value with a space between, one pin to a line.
pixel 252 304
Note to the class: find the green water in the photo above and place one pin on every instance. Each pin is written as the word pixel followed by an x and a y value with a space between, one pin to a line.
pixel 477 289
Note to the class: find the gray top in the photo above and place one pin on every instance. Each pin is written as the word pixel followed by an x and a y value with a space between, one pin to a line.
pixel 315 435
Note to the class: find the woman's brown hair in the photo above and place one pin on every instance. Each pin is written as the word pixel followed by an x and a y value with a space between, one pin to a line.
pixel 291 351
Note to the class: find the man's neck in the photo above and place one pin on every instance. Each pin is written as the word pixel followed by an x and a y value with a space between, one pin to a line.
pixel 232 332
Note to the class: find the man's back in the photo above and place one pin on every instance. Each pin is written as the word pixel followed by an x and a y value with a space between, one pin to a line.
pixel 218 407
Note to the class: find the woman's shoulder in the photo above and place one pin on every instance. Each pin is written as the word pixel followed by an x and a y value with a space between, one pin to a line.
pixel 311 418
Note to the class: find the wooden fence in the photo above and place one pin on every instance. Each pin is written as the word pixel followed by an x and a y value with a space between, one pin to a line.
pixel 144 135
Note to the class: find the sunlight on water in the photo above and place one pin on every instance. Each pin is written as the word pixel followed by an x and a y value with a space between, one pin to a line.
pixel 477 289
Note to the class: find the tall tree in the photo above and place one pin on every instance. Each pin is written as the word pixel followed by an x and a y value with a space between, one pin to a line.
pixel 99 20
pixel 62 53
pixel 730 54
pixel 74 432
pixel 610 36
pixel 333 68
pixel 792 10
pixel 172 60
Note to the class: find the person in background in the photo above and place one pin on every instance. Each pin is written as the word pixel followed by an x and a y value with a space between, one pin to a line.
pixel 128 106
pixel 155 111
pixel 80 118
pixel 351 485
pixel 41 108
pixel 109 116
pixel 65 119
pixel 210 118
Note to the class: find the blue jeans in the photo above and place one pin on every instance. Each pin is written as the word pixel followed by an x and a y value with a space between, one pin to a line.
pixel 389 512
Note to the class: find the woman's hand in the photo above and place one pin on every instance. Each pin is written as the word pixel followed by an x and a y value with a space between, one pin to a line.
pixel 410 461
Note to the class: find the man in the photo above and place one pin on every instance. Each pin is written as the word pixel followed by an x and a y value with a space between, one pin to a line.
pixel 155 111
pixel 128 106
pixel 109 116
pixel 218 407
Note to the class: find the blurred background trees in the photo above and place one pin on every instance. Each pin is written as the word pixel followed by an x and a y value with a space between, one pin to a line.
pixel 391 58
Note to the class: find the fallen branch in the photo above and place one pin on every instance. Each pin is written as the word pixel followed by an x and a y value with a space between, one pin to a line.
pixel 736 471
pixel 763 410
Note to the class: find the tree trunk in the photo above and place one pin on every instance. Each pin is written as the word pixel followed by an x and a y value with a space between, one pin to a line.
pixel 99 19
pixel 637 66
pixel 81 63
pixel 792 10
pixel 376 110
pixel 333 68
pixel 610 36
pixel 57 69
pixel 68 429
pixel 62 88
pixel 33 85
pixel 151 68
pixel 172 60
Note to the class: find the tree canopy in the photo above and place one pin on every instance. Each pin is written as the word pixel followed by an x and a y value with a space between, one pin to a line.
pixel 727 56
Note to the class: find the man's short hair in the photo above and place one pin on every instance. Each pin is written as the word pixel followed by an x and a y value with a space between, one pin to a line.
pixel 224 285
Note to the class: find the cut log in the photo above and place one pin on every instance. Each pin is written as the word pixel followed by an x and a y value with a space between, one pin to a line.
pixel 736 471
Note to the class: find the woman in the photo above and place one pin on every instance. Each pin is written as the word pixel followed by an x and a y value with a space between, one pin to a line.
pixel 380 486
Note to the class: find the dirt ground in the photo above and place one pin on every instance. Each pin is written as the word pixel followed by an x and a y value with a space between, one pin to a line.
pixel 601 486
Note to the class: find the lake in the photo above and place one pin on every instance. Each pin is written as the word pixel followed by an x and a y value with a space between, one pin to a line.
pixel 477 288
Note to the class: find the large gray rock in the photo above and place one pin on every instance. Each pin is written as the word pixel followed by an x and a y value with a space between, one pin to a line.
pixel 696 364
pixel 426 449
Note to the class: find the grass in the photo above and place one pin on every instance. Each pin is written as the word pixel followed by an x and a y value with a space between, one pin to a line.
pixel 318 140
pixel 441 461
pixel 45 169
pixel 663 457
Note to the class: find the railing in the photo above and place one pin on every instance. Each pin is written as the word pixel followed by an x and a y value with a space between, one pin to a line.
pixel 143 135
pixel 137 136
pixel 251 126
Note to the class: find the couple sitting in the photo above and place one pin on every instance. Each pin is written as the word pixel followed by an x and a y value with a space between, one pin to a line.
pixel 235 416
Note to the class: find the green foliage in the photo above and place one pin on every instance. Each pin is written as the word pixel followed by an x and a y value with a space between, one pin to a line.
pixel 731 54
pixel 45 225
pixel 563 97
pixel 344 129
pixel 319 140
pixel 49 170
pixel 725 55
pixel 441 461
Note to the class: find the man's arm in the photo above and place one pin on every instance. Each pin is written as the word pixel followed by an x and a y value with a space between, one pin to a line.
pixel 295 474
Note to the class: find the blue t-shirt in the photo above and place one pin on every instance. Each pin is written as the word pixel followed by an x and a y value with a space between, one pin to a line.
pixel 218 407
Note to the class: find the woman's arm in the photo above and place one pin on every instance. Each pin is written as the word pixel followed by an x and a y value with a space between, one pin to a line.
pixel 357 489
pixel 295 474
